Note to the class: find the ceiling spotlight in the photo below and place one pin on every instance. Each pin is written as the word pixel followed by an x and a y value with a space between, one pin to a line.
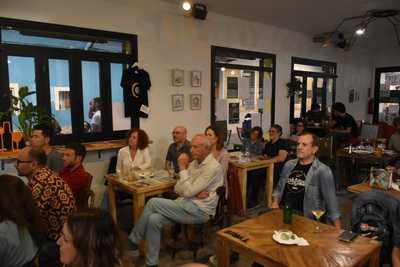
pixel 360 31
pixel 223 69
pixel 232 72
pixel 186 6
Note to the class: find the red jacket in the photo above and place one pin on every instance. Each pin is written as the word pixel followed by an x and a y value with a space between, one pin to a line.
pixel 78 179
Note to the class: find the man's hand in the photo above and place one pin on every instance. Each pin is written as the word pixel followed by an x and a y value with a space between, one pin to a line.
pixel 203 195
pixel 275 205
pixel 183 161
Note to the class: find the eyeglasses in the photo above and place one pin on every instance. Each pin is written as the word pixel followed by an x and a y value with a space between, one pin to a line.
pixel 23 161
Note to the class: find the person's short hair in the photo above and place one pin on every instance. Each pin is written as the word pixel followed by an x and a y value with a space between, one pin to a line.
pixel 218 134
pixel 277 127
pixel 143 138
pixel 259 130
pixel 96 238
pixel 300 120
pixel 78 148
pixel 38 155
pixel 315 106
pixel 46 130
pixel 396 121
pixel 339 106
pixel 315 141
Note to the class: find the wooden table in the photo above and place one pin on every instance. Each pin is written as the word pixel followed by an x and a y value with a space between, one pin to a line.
pixel 325 249
pixel 364 187
pixel 139 193
pixel 244 167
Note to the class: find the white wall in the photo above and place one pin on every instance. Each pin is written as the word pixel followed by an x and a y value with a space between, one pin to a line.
pixel 168 40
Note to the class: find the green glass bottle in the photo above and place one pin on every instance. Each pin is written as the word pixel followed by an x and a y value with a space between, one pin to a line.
pixel 287 214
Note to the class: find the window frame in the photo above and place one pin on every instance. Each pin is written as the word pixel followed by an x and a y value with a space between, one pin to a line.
pixel 74 57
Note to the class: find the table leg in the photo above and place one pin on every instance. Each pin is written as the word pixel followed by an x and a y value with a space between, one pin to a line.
pixel 269 183
pixel 242 175
pixel 375 258
pixel 222 252
pixel 138 206
pixel 111 201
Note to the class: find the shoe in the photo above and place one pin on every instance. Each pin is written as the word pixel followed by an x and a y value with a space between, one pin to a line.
pixel 133 249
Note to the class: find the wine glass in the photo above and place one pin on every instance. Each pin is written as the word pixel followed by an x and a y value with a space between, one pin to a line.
pixel 170 169
pixel 318 213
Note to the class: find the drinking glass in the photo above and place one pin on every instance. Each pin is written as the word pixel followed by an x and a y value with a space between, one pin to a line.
pixel 318 213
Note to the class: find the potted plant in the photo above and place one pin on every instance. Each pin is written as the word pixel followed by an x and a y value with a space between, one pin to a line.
pixel 28 115
pixel 294 87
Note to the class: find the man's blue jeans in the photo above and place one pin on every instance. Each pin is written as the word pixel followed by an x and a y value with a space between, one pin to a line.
pixel 159 212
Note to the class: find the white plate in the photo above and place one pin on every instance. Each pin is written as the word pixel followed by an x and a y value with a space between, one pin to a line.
pixel 277 236
pixel 146 174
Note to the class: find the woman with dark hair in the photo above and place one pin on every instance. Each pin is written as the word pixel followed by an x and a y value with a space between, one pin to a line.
pixel 91 239
pixel 218 150
pixel 136 155
pixel 21 230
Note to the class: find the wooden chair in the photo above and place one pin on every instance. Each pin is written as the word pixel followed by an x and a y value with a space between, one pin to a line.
pixel 85 199
pixel 197 234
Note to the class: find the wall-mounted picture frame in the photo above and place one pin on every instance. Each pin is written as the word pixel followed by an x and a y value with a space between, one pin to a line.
pixel 195 78
pixel 195 101
pixel 177 102
pixel 178 77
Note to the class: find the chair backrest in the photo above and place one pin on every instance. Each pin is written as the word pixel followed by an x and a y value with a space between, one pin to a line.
pixel 369 131
pixel 82 199
pixel 239 133
pixel 220 210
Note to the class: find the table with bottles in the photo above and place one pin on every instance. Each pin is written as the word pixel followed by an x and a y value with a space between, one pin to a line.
pixel 244 163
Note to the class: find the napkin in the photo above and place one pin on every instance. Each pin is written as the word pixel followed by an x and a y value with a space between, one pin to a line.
pixel 302 242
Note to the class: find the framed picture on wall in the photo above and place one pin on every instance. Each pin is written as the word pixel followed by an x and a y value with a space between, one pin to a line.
pixel 195 101
pixel 177 102
pixel 232 87
pixel 195 78
pixel 178 77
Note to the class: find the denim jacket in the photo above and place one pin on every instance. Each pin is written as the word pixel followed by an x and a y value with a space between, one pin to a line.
pixel 319 188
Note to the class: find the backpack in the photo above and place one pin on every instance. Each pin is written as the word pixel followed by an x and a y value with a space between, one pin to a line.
pixel 371 217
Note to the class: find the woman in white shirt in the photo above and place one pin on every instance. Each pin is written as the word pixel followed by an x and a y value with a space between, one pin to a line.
pixel 134 156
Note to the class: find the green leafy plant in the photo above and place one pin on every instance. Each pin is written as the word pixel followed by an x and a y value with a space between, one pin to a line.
pixel 28 115
pixel 294 87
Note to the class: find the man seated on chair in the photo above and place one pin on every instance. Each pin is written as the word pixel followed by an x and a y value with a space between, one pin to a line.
pixel 196 186
pixel 307 184
pixel 74 173
pixel 179 146
pixel 41 139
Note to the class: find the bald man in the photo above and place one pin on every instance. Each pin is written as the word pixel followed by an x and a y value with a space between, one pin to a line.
pixel 203 174
pixel 179 146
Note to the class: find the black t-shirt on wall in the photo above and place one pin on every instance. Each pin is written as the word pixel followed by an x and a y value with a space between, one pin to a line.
pixel 294 188
pixel 136 83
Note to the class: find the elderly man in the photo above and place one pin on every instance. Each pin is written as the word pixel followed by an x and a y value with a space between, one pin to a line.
pixel 198 199
pixel 179 146
pixel 41 140
pixel 307 184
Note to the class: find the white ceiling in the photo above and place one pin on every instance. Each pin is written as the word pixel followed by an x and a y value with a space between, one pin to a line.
pixel 310 16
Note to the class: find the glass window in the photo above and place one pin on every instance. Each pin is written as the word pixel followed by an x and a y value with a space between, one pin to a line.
pixel 92 103
pixel 120 122
pixel 297 101
pixel 309 68
pixel 60 95
pixel 21 73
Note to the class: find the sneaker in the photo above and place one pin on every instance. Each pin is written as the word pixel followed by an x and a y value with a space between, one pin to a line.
pixel 133 249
